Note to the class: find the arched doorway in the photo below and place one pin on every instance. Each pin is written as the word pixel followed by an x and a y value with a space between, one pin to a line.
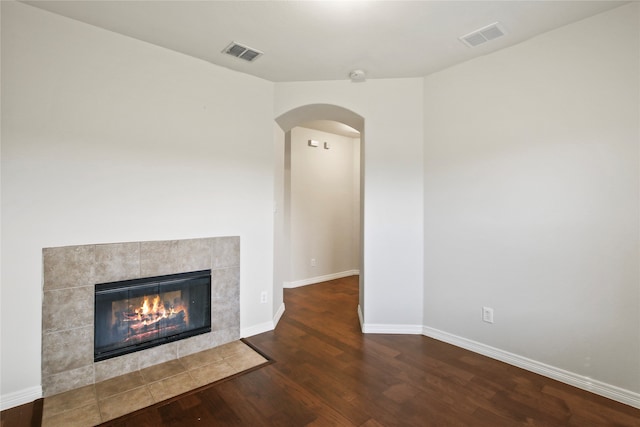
pixel 286 122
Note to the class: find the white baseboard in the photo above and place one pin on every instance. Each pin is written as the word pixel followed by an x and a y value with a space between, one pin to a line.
pixel 257 329
pixel 378 328
pixel 17 398
pixel 320 279
pixel 263 327
pixel 278 315
pixel 598 387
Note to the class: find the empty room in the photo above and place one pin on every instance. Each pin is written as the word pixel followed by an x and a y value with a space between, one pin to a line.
pixel 358 213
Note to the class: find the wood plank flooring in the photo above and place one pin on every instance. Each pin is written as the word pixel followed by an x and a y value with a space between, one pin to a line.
pixel 27 415
pixel 327 373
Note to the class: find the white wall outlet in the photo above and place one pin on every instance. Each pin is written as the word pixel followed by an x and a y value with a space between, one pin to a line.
pixel 313 262
pixel 487 314
pixel 263 297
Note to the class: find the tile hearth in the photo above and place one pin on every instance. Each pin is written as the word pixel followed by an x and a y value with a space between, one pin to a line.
pixel 97 403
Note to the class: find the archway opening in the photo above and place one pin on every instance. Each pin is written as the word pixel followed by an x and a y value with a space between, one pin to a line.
pixel 309 117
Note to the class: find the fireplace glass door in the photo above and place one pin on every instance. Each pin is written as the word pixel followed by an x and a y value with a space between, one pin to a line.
pixel 137 314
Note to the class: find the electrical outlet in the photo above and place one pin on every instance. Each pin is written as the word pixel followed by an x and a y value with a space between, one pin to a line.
pixel 263 297
pixel 313 262
pixel 487 314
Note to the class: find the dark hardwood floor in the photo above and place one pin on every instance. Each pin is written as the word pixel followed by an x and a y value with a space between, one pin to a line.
pixel 28 415
pixel 325 372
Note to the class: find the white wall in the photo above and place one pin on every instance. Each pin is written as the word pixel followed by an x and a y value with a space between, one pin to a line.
pixel 356 202
pixel 532 199
pixel 393 189
pixel 280 225
pixel 324 206
pixel 108 139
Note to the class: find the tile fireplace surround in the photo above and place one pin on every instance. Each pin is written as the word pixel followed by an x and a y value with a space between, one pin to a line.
pixel 70 274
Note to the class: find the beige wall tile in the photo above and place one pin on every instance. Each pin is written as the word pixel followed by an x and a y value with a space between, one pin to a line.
pixel 225 284
pixel 226 252
pixel 195 254
pixel 67 350
pixel 68 380
pixel 69 308
pixel 68 266
pixel 117 366
pixel 159 258
pixel 226 314
pixel 226 335
pixel 156 355
pixel 117 261
pixel 195 344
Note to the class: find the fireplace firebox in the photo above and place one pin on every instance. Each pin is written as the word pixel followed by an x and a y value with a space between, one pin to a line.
pixel 137 314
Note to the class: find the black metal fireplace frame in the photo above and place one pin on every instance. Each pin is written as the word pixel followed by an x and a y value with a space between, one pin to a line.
pixel 168 283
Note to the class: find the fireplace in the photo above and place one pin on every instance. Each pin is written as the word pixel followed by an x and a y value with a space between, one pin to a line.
pixel 70 274
pixel 137 314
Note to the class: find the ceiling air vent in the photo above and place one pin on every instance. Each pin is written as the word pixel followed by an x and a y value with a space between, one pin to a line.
pixel 242 52
pixel 483 35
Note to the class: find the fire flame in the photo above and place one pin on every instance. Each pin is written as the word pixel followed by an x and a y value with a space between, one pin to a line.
pixel 137 318
pixel 151 312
